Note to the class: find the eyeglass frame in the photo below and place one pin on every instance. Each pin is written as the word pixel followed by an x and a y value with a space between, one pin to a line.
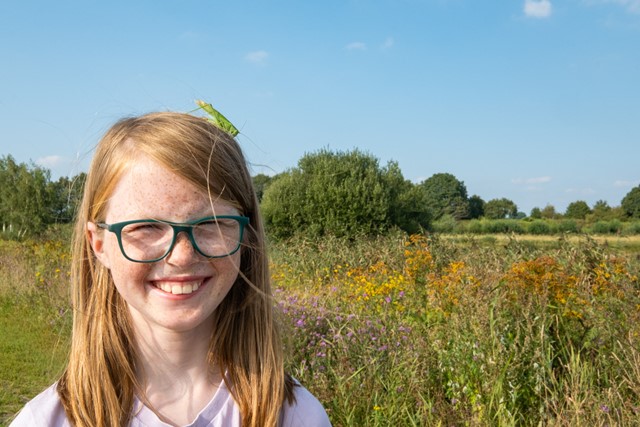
pixel 178 227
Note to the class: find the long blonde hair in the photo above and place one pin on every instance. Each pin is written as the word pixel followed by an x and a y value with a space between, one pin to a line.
pixel 99 383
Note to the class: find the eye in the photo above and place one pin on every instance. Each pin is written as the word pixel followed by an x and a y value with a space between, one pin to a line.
pixel 144 228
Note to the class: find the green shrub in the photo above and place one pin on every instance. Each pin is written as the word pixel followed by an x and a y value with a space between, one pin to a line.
pixel 631 228
pixel 473 226
pixel 538 227
pixel 446 224
pixel 504 226
pixel 606 227
pixel 341 194
pixel 568 226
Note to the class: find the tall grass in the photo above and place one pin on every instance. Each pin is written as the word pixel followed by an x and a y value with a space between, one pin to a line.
pixel 422 331
pixel 403 330
pixel 34 319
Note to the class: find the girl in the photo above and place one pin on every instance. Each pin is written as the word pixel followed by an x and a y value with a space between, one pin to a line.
pixel 172 309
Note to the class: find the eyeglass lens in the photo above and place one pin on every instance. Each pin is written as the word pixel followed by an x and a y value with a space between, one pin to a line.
pixel 145 241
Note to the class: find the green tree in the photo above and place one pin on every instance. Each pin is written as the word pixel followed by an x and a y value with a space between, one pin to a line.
pixel 536 213
pixel 64 198
pixel 24 197
pixel 549 212
pixel 407 208
pixel 342 194
pixel 577 210
pixel 445 195
pixel 500 208
pixel 476 207
pixel 631 203
pixel 601 211
pixel 260 184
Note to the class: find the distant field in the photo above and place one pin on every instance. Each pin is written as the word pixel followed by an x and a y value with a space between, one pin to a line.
pixel 628 244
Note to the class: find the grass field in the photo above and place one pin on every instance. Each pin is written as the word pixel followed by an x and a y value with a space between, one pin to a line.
pixel 398 330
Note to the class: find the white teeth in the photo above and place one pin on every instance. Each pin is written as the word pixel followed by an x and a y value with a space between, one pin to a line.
pixel 178 289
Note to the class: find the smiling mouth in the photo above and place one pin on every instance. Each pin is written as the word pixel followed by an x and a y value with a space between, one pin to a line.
pixel 179 288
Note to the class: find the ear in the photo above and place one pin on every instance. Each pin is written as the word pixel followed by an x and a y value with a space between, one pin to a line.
pixel 96 239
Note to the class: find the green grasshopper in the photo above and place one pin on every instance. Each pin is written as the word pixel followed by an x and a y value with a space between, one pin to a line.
pixel 218 119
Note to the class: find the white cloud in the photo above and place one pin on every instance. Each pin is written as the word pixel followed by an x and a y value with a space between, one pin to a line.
pixel 537 8
pixel 356 46
pixel 50 161
pixel 536 180
pixel 257 57
pixel 388 43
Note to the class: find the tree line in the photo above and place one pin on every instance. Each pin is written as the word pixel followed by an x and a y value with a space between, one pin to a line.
pixel 343 193
pixel 350 193
pixel 30 201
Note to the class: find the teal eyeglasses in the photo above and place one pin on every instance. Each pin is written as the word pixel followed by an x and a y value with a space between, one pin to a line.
pixel 150 240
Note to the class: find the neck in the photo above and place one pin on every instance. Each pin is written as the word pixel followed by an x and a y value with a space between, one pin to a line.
pixel 174 370
pixel 167 355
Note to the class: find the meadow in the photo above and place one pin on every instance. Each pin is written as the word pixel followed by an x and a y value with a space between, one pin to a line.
pixel 400 330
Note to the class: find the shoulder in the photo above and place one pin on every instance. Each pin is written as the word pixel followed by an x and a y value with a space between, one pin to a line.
pixel 43 410
pixel 306 411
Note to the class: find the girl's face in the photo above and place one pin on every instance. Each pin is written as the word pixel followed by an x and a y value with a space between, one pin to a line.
pixel 181 291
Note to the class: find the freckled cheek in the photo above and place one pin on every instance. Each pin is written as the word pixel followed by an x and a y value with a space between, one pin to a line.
pixel 228 268
pixel 127 275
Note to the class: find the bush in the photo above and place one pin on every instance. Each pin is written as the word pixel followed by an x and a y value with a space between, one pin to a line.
pixel 568 226
pixel 606 227
pixel 539 227
pixel 631 228
pixel 446 224
pixel 473 226
pixel 341 194
pixel 503 226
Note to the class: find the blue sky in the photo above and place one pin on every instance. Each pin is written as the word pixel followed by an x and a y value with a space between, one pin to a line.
pixel 535 101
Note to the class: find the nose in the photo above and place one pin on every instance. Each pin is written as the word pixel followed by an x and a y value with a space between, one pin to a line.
pixel 183 252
